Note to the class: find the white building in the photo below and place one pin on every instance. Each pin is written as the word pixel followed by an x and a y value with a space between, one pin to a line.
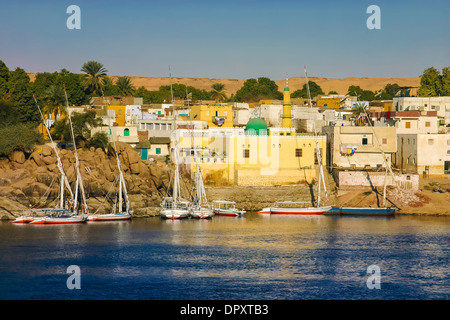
pixel 439 104
pixel 423 153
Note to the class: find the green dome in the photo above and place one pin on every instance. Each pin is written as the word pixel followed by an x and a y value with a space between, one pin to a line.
pixel 286 88
pixel 255 125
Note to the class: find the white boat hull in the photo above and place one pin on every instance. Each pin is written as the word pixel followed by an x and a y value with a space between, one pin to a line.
pixel 298 211
pixel 174 214
pixel 23 220
pixel 110 217
pixel 202 214
pixel 59 220
pixel 233 213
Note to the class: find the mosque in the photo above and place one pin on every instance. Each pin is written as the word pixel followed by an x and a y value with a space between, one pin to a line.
pixel 256 155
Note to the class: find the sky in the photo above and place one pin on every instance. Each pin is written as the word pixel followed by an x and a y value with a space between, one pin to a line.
pixel 228 39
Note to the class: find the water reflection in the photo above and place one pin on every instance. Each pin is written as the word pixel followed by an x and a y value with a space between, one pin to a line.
pixel 287 257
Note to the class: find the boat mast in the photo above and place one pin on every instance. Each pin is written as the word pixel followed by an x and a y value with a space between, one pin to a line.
pixel 60 164
pixel 318 153
pixel 175 194
pixel 122 185
pixel 79 180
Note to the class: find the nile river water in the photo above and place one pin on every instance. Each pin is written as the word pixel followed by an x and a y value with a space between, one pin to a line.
pixel 227 258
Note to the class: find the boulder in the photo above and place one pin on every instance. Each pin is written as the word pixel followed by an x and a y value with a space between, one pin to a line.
pixel 17 156
pixel 45 150
pixel 37 158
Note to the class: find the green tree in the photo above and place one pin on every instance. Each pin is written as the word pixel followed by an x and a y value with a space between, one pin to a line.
pixel 55 100
pixel 256 89
pixel 430 83
pixel 76 95
pixel 4 78
pixel 445 81
pixel 218 92
pixel 18 137
pixel 95 72
pixel 314 88
pixel 109 88
pixel 125 86
pixel 99 140
pixel 19 90
pixel 354 91
pixel 82 125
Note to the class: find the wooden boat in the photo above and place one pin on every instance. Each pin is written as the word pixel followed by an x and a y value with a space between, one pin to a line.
pixel 119 212
pixel 296 210
pixel 60 217
pixel 23 219
pixel 364 211
pixel 226 208
pixel 66 212
pixel 201 209
pixel 174 207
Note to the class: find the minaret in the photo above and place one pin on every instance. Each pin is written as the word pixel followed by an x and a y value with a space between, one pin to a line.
pixel 286 117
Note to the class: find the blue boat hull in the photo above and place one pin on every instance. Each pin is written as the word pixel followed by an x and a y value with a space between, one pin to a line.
pixel 362 211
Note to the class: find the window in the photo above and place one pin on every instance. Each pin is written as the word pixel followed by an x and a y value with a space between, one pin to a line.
pixel 364 141
pixel 246 153
pixel 315 155
pixel 126 133
pixel 207 113
pixel 430 142
pixel 407 125
pixel 448 142
pixel 427 124
pixel 384 141
pixel 217 113
pixel 298 153
pixel 225 113
pixel 158 150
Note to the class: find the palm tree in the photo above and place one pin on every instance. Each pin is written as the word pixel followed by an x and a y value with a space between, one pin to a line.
pixel 55 99
pixel 359 113
pixel 125 85
pixel 95 72
pixel 218 92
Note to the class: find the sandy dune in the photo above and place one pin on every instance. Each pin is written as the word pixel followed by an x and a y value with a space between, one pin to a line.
pixel 232 85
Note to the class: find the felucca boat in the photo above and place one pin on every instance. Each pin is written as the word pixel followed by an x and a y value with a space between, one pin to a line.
pixel 201 209
pixel 67 211
pixel 175 207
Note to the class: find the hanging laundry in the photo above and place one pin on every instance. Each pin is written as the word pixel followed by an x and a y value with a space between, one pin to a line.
pixel 348 150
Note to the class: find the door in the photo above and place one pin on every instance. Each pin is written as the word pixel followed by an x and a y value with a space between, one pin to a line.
pixel 144 154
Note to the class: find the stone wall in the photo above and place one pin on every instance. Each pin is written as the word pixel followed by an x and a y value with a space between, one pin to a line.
pixel 346 179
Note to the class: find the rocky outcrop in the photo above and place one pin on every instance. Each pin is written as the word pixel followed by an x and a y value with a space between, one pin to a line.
pixel 35 180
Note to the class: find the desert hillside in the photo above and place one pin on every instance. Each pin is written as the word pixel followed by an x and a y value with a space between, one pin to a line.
pixel 232 85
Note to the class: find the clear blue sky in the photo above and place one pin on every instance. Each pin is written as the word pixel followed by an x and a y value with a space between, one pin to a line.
pixel 228 39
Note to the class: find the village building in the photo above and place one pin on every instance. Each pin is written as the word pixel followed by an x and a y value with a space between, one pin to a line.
pixel 424 154
pixel 359 146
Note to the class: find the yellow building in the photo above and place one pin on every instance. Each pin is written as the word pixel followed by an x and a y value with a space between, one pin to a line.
pixel 251 159
pixel 216 116
pixel 119 114
pixel 49 121
pixel 329 103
